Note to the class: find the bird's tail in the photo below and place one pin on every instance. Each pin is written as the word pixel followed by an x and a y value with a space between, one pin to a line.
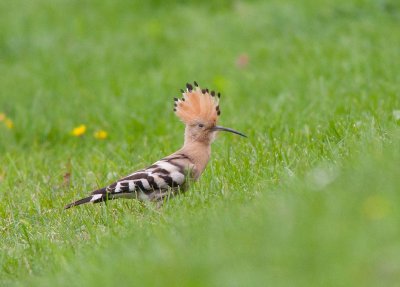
pixel 97 196
pixel 79 202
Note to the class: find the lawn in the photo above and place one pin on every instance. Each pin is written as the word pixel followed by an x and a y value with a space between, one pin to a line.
pixel 309 199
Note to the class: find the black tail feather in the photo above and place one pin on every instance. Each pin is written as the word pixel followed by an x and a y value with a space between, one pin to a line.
pixel 88 199
pixel 104 197
pixel 79 202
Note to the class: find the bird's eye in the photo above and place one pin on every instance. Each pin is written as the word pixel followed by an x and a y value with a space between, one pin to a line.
pixel 200 125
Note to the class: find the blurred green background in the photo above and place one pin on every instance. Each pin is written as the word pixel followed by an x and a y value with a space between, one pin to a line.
pixel 309 199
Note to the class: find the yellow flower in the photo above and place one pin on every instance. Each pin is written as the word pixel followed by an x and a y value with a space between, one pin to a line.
pixel 2 117
pixel 100 135
pixel 9 123
pixel 79 131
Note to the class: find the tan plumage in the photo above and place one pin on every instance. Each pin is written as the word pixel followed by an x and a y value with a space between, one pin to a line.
pixel 197 106
pixel 199 111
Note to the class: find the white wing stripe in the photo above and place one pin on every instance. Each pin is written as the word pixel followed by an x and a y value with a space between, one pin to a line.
pixel 95 197
pixel 159 181
pixel 167 166
pixel 117 188
pixel 131 185
pixel 177 177
pixel 146 184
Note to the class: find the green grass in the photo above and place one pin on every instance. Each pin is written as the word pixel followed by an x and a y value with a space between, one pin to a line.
pixel 309 199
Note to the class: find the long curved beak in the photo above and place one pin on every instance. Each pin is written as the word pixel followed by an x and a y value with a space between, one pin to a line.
pixel 219 128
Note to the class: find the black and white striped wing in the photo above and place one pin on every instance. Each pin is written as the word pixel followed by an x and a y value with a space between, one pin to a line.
pixel 152 183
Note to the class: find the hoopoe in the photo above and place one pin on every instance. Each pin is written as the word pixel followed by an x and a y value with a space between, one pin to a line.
pixel 199 110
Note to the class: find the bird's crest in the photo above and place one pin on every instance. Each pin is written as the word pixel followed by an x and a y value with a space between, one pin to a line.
pixel 197 105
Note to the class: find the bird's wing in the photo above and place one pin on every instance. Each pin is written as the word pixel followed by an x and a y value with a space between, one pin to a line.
pixel 152 183
pixel 168 173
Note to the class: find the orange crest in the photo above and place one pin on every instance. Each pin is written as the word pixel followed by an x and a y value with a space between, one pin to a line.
pixel 197 105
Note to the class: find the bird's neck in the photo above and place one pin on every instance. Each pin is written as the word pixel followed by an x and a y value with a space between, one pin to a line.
pixel 199 154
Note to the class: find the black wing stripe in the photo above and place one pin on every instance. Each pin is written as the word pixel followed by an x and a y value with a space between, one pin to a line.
pixel 139 184
pixel 177 156
pixel 160 170
pixel 124 187
pixel 152 184
pixel 168 180
pixel 124 184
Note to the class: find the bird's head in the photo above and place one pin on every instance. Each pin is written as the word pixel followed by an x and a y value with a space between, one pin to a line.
pixel 199 110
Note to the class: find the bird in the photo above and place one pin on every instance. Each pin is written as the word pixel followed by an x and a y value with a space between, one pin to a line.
pixel 199 110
